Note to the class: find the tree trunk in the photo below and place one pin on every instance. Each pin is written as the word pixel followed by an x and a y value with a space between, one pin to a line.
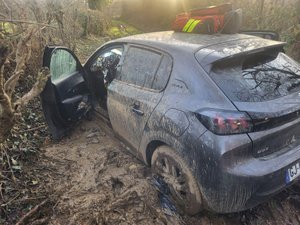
pixel 6 116
pixel 261 9
pixel 298 10
pixel 6 110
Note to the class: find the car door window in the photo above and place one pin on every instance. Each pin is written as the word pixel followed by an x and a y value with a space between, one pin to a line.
pixel 140 66
pixel 107 63
pixel 62 65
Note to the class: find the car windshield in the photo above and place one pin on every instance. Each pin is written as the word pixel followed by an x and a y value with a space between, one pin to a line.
pixel 257 78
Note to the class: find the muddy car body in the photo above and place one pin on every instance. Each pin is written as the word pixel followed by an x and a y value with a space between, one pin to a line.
pixel 175 99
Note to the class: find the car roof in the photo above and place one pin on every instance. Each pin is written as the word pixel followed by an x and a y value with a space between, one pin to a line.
pixel 169 40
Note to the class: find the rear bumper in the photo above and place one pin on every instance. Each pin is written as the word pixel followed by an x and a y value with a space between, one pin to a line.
pixel 258 187
pixel 239 181
pixel 267 174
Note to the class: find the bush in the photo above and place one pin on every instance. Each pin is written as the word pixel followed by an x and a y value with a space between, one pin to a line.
pixel 92 22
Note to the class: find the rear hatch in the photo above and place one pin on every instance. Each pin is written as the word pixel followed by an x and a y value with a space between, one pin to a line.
pixel 264 83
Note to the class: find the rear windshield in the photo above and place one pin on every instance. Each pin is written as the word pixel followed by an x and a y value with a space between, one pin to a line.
pixel 258 78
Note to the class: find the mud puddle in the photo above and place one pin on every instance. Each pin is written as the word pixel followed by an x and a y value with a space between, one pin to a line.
pixel 94 180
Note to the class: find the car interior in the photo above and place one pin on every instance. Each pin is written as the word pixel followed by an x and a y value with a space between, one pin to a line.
pixel 102 71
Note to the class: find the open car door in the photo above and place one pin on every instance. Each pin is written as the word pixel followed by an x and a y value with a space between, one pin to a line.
pixel 66 97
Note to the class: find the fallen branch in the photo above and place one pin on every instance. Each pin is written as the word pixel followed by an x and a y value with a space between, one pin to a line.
pixel 10 167
pixel 11 200
pixel 35 91
pixel 21 55
pixel 27 22
pixel 40 221
pixel 31 213
pixel 33 129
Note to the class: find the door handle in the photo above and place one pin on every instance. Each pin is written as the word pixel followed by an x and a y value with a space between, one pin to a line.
pixel 136 109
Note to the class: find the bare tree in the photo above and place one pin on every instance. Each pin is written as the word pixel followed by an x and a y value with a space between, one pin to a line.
pixel 16 47
pixel 8 107
pixel 261 4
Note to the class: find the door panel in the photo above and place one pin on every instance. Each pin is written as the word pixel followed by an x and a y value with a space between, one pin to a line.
pixel 129 109
pixel 70 92
pixel 66 97
pixel 137 90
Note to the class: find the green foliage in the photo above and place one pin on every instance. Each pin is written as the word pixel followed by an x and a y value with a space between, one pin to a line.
pixel 7 27
pixel 98 4
pixel 92 22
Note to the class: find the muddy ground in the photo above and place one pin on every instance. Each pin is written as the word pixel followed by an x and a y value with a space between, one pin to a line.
pixel 93 179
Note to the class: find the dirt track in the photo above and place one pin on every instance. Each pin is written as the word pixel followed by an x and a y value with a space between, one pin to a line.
pixel 96 181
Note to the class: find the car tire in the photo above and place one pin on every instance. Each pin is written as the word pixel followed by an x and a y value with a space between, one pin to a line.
pixel 184 189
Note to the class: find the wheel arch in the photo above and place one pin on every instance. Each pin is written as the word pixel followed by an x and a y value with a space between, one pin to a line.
pixel 151 147
pixel 158 140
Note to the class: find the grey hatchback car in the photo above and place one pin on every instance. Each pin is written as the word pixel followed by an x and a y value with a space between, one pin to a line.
pixel 217 117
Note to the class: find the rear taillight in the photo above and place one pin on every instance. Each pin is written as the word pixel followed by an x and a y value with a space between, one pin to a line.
pixel 225 122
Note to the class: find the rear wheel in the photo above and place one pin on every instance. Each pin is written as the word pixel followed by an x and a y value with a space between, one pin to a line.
pixel 184 189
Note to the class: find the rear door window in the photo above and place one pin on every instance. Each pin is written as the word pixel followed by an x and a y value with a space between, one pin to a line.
pixel 257 78
pixel 146 68
pixel 140 66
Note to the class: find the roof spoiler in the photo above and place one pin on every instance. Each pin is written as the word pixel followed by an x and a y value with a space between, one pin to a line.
pixel 266 34
pixel 207 63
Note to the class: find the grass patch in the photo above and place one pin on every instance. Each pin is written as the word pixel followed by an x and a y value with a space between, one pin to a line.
pixel 120 29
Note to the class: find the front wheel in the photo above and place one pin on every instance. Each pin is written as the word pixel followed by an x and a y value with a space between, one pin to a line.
pixel 183 186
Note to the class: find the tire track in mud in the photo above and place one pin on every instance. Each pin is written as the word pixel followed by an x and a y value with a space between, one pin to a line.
pixel 102 183
pixel 94 180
